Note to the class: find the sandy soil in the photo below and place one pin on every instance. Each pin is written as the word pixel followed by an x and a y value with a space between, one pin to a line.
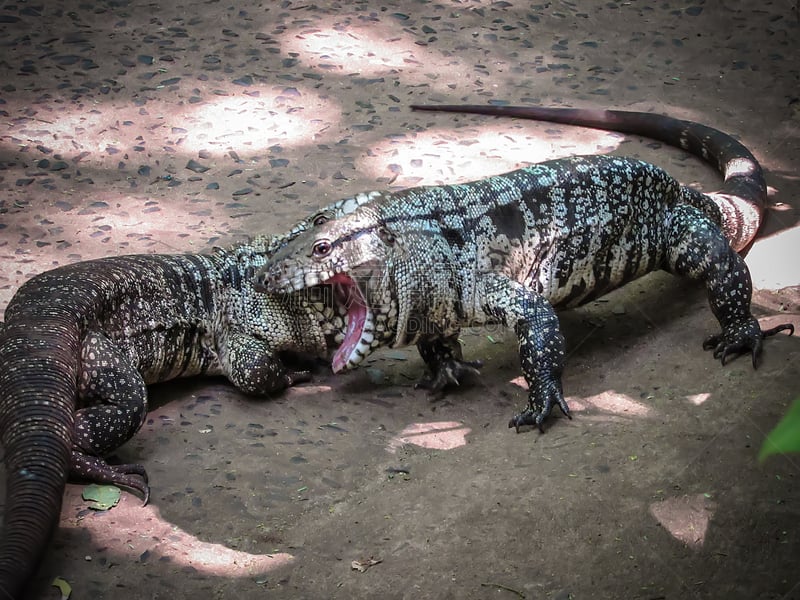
pixel 128 126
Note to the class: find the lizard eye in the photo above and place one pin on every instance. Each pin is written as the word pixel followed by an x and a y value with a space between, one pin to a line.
pixel 386 235
pixel 319 219
pixel 321 249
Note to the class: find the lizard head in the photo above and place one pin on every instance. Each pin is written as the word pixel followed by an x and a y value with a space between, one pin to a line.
pixel 351 255
pixel 340 208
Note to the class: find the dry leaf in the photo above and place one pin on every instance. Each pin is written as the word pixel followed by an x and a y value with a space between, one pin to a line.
pixel 364 564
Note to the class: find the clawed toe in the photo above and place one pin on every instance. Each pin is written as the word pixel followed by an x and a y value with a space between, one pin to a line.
pixel 134 477
pixel 131 469
pixel 449 372
pixel 528 417
pixel 744 339
pixel 134 482
pixel 97 470
pixel 724 351
pixel 536 416
pixel 782 327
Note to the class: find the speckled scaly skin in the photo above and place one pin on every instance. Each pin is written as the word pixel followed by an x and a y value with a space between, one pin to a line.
pixel 81 342
pixel 415 266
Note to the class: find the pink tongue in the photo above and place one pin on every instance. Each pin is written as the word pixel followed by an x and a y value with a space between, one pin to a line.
pixel 356 317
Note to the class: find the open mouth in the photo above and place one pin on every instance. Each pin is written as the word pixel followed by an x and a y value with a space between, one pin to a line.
pixel 359 333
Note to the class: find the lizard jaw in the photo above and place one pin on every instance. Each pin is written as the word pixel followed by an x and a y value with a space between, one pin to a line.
pixel 359 333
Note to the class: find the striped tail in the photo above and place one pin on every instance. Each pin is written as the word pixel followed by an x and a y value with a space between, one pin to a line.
pixel 38 384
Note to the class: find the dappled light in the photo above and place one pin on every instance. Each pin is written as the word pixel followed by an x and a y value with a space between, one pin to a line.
pixel 775 274
pixel 141 532
pixel 372 49
pixel 247 123
pixel 609 401
pixel 115 223
pixel 698 399
pixel 617 403
pixel 92 136
pixel 308 390
pixel 441 435
pixel 285 117
pixel 686 518
pixel 442 155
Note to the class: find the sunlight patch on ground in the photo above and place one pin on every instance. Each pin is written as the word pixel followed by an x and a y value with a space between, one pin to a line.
pixel 245 123
pixel 116 223
pixel 133 530
pixel 442 435
pixel 308 390
pixel 446 155
pixel 616 403
pixel 686 518
pixel 608 401
pixel 371 49
pixel 698 399
pixel 766 271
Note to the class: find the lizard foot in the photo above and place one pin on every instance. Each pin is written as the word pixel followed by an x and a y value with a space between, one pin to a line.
pixel 742 338
pixel 535 415
pixel 448 372
pixel 95 469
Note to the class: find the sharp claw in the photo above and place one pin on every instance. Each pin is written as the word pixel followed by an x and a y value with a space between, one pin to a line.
pixel 451 377
pixel 529 417
pixel 524 418
pixel 741 339
pixel 778 328
pixel 448 372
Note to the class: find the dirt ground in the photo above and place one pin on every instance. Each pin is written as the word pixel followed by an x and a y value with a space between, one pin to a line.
pixel 132 126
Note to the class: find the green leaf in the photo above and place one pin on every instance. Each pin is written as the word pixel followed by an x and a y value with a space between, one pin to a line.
pixel 63 586
pixel 785 437
pixel 101 497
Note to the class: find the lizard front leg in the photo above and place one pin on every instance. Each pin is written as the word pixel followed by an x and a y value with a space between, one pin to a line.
pixel 254 367
pixel 699 250
pixel 114 399
pixel 445 362
pixel 541 346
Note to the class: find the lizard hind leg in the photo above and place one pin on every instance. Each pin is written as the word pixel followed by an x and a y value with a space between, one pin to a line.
pixel 113 397
pixel 697 248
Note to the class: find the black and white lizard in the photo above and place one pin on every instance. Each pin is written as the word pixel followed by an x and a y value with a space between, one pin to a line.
pixel 81 342
pixel 415 266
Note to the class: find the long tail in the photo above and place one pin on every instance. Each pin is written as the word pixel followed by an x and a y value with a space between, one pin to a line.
pixel 743 196
pixel 38 379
